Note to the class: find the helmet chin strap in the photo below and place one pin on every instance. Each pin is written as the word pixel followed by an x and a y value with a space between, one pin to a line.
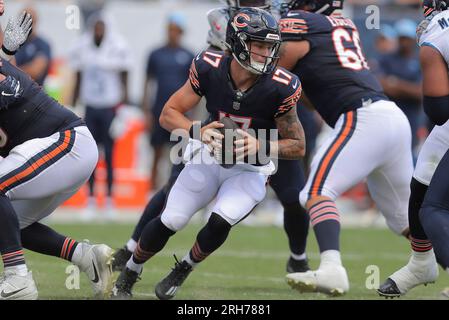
pixel 247 66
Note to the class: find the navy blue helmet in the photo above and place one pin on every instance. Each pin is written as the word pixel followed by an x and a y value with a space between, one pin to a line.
pixel 253 24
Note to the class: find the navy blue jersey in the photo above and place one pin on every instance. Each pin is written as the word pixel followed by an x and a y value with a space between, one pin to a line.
pixel 33 115
pixel 335 75
pixel 270 97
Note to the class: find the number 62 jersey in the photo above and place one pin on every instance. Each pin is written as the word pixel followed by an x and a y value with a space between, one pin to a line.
pixel 335 74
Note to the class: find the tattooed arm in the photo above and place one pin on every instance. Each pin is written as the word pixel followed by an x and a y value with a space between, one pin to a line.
pixel 292 143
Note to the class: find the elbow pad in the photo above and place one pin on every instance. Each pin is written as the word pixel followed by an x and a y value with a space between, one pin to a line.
pixel 437 109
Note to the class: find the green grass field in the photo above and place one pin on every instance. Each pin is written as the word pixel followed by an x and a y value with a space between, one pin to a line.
pixel 250 265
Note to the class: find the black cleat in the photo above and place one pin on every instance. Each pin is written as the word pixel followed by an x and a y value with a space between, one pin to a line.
pixel 120 257
pixel 389 289
pixel 167 287
pixel 124 284
pixel 294 265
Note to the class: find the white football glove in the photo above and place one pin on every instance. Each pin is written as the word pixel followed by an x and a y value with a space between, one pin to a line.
pixel 16 33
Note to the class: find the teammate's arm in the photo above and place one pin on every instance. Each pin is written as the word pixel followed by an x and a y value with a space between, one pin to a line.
pixel 10 89
pixel 291 52
pixel 292 144
pixel 435 85
pixel 172 115
pixel 16 33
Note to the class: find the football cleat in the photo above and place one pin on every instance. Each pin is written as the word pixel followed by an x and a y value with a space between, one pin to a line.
pixel 166 289
pixel 445 293
pixel 294 265
pixel 422 268
pixel 120 258
pixel 123 287
pixel 16 287
pixel 331 280
pixel 96 262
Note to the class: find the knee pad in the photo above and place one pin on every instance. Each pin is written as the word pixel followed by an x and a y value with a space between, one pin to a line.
pixel 174 221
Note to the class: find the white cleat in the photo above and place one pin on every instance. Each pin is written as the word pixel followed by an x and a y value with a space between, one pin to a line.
pixel 445 293
pixel 422 268
pixel 96 262
pixel 16 287
pixel 331 280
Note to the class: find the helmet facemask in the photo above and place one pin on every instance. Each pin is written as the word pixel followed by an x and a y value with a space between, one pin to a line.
pixel 245 57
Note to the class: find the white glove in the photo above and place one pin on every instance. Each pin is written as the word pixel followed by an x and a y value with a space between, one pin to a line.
pixel 16 33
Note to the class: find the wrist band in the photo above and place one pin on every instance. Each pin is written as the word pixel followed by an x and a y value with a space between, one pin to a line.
pixel 6 54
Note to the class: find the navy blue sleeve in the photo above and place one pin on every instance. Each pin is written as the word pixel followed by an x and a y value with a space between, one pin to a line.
pixel 201 66
pixel 289 91
pixel 300 25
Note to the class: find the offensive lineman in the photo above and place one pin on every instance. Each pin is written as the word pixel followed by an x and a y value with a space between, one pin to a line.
pixel 40 142
pixel 371 136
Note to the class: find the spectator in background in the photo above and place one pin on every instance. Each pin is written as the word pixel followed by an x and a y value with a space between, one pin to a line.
pixel 400 75
pixel 101 59
pixel 34 57
pixel 168 68
pixel 386 40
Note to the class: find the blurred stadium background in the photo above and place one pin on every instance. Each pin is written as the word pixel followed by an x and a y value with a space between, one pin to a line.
pixel 143 25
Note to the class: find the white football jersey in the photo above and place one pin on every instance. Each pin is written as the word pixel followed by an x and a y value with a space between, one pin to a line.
pixel 437 34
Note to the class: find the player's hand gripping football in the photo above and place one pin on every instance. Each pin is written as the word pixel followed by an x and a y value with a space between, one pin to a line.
pixel 16 33
pixel 247 145
pixel 211 136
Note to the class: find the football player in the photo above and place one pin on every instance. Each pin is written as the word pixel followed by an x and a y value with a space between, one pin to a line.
pixel 429 201
pixel 287 182
pixel 248 88
pixel 47 155
pixel 370 138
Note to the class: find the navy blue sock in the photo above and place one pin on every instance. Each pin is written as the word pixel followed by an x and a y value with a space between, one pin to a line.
pixel 42 239
pixel 419 239
pixel 210 237
pixel 10 244
pixel 152 210
pixel 296 226
pixel 153 239
pixel 325 220
pixel 435 221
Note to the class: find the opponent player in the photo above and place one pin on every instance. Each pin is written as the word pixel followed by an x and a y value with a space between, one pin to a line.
pixel 248 88
pixel 40 142
pixel 428 206
pixel 287 182
pixel 370 139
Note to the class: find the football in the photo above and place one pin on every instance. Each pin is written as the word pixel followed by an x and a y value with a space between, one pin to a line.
pixel 226 156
